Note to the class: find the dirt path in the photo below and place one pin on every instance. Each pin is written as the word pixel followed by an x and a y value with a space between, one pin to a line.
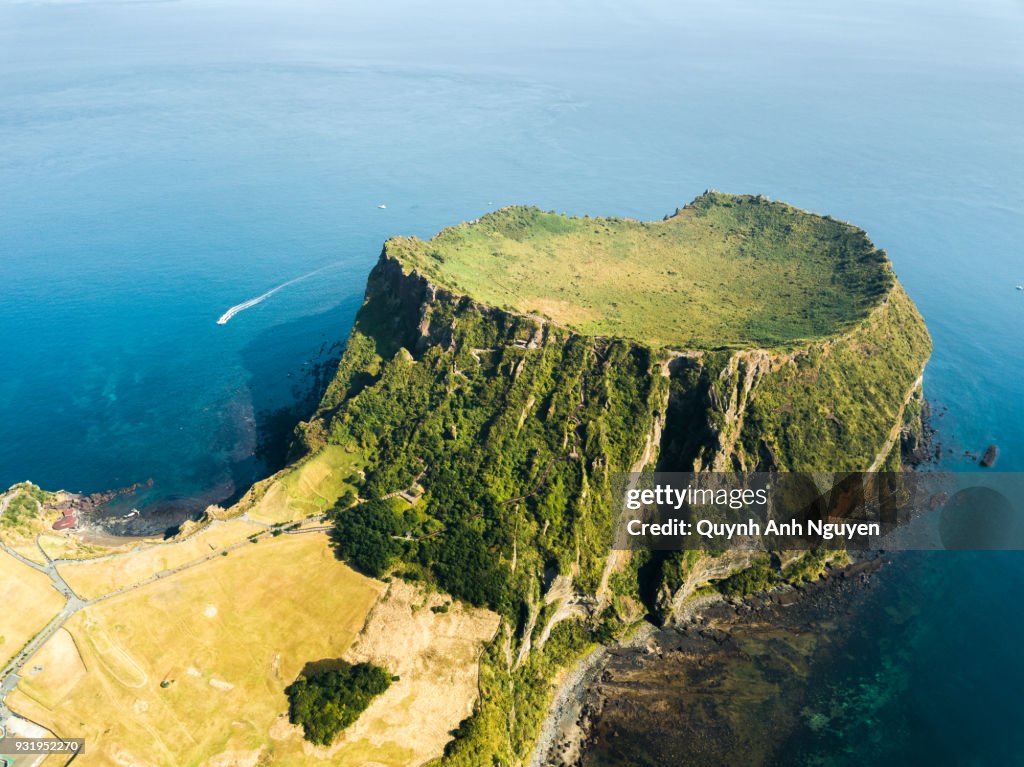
pixel 894 433
pixel 10 676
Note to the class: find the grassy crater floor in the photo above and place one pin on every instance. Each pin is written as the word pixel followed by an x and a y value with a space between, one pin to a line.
pixel 726 271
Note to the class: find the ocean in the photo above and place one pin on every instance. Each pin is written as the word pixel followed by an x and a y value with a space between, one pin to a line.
pixel 161 162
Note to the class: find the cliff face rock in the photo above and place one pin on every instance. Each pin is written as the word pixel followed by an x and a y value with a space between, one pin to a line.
pixel 729 400
pixel 511 366
pixel 846 403
pixel 832 405
pixel 512 414
pixel 512 424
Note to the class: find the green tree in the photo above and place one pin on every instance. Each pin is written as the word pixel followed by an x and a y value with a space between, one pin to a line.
pixel 365 536
pixel 327 702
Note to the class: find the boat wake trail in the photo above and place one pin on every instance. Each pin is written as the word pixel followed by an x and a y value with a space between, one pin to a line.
pixel 264 296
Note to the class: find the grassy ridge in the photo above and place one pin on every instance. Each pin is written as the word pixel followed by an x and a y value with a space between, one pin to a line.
pixel 832 408
pixel 726 271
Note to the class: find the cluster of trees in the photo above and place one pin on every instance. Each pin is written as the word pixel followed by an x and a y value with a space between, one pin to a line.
pixel 327 702
pixel 513 446
pixel 367 536
pixel 23 505
pixel 461 561
pixel 372 536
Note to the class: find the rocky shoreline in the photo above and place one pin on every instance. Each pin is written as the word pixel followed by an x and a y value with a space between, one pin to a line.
pixel 111 514
pixel 723 685
pixel 562 736
pixel 89 504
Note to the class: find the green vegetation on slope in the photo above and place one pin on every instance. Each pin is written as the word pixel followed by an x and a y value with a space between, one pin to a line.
pixel 513 703
pixel 512 426
pixel 513 445
pixel 833 407
pixel 367 536
pixel 22 505
pixel 327 702
pixel 830 406
pixel 726 271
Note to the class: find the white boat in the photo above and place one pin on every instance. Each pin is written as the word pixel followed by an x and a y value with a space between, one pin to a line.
pixel 1020 287
pixel 382 206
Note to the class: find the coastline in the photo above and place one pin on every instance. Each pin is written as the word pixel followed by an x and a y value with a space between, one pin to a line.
pixel 570 730
pixel 709 645
pixel 562 735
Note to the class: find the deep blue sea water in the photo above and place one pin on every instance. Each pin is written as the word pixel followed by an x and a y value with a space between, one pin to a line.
pixel 162 161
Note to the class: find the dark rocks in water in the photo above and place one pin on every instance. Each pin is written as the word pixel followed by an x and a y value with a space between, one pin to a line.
pixel 989 459
pixel 919 444
pixel 727 686
pixel 93 503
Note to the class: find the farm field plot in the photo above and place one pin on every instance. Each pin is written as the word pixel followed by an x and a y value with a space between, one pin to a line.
pixel 191 669
pixel 29 602
pixel 91 579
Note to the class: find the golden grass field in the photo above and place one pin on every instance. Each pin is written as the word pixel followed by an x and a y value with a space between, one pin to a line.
pixel 76 546
pixel 29 603
pixel 91 579
pixel 435 656
pixel 310 488
pixel 226 637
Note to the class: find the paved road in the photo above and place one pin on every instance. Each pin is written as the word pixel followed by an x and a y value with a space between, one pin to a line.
pixel 10 676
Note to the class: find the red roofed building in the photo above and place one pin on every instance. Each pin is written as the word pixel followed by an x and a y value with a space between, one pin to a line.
pixel 67 522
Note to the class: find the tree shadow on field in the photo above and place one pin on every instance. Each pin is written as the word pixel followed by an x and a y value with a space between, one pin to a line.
pixel 320 666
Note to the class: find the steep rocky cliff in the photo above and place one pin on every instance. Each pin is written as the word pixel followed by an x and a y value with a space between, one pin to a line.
pixel 498 375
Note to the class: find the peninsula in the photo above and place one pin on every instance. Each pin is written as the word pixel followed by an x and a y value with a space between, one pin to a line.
pixel 496 378
pixel 504 370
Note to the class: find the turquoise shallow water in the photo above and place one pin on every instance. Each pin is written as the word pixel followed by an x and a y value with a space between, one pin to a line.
pixel 930 673
pixel 160 162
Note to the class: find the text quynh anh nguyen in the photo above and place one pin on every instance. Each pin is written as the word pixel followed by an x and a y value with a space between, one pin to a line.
pixel 821 510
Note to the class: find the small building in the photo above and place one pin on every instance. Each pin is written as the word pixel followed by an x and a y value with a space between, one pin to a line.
pixel 413 494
